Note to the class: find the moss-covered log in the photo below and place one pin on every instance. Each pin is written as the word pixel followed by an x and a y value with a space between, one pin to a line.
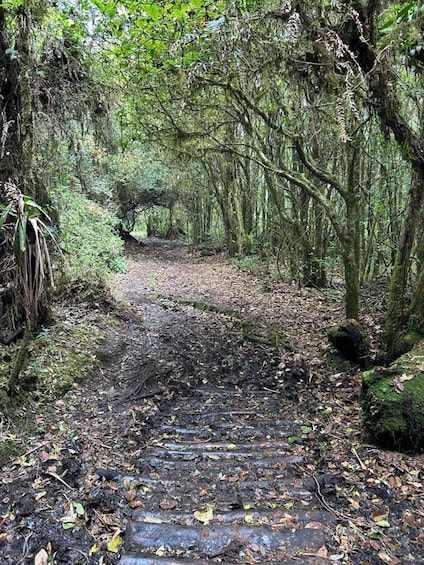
pixel 393 402
pixel 350 339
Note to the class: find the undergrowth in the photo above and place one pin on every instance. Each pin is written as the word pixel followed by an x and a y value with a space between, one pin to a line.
pixel 58 358
pixel 92 249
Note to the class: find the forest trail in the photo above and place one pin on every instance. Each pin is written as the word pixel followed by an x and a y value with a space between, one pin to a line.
pixel 226 482
pixel 220 428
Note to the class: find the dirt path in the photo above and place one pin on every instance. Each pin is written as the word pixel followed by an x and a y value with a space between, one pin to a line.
pixel 219 429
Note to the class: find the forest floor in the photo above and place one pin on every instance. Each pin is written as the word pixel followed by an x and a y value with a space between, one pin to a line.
pixel 184 324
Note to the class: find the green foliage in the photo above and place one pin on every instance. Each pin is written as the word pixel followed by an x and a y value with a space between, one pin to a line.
pixel 393 402
pixel 251 263
pixel 56 359
pixel 145 31
pixel 26 232
pixel 139 181
pixel 402 24
pixel 91 246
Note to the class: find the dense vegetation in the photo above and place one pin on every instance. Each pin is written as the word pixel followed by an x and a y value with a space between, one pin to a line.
pixel 280 129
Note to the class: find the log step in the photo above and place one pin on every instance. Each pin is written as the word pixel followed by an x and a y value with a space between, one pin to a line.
pixel 223 486
pixel 213 540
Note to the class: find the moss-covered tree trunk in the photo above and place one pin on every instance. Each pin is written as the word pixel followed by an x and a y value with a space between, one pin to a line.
pixel 16 160
pixel 399 317
pixel 351 252
pixel 12 164
pixel 382 75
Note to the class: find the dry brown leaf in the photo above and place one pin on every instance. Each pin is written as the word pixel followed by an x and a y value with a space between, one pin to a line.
pixel 135 504
pixel 405 377
pixel 354 503
pixel 379 515
pixel 130 494
pixel 41 558
pixel 168 504
pixel 315 525
pixel 322 552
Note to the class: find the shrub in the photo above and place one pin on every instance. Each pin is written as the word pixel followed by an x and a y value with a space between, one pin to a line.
pixel 92 249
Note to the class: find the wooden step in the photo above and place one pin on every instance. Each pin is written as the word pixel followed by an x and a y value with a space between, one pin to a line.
pixel 213 540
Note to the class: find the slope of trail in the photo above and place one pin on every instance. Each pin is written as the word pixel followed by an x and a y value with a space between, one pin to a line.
pixel 219 428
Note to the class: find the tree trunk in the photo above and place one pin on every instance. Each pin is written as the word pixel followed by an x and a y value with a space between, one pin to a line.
pixel 397 312
pixel 19 269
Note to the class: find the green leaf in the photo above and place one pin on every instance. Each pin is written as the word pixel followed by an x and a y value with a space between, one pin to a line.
pixel 383 524
pixel 29 203
pixel 68 525
pixel 110 10
pixel 293 439
pixel 19 242
pixel 4 215
pixel 79 508
pixel 115 544
pixel 306 429
pixel 153 10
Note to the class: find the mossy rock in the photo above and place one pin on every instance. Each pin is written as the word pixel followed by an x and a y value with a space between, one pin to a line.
pixel 350 339
pixel 392 400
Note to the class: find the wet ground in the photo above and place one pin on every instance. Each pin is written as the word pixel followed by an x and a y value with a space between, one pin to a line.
pixel 220 427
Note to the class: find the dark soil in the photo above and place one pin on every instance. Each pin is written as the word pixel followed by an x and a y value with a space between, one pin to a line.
pixel 193 324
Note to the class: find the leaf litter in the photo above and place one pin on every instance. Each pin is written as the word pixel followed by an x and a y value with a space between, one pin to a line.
pixel 375 496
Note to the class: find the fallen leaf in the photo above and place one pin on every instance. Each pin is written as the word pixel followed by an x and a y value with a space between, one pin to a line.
pixel 314 525
pixel 397 385
pixel 135 504
pixel 115 544
pixel 405 377
pixel 204 517
pixel 379 515
pixel 168 504
pixel 248 518
pixel 152 520
pixel 79 508
pixel 41 558
pixel 384 557
pixel 354 503
pixel 322 552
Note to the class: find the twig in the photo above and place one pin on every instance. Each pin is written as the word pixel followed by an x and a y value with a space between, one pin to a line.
pixel 80 552
pixel 110 526
pixel 34 449
pixel 321 498
pixel 355 453
pixel 55 476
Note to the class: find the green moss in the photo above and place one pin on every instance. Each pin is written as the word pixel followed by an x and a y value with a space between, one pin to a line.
pixel 60 357
pixel 393 402
pixel 57 358
pixel 404 342
pixel 8 450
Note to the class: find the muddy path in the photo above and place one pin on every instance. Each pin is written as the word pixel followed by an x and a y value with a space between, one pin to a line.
pixel 219 427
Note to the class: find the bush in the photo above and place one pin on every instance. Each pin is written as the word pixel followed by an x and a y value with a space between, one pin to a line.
pixel 91 247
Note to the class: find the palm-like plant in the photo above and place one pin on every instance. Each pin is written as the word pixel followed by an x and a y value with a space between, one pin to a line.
pixel 24 229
